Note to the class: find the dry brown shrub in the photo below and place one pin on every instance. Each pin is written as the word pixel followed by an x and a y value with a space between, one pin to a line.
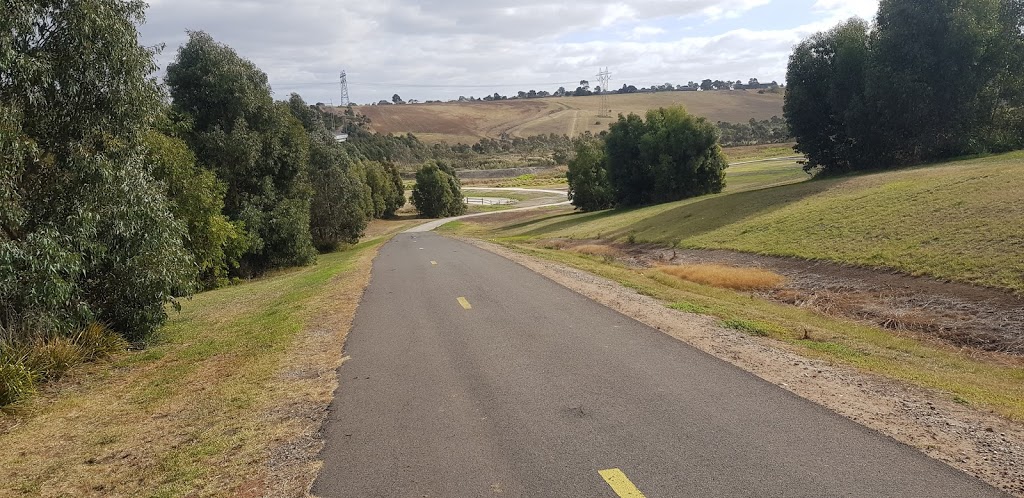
pixel 729 277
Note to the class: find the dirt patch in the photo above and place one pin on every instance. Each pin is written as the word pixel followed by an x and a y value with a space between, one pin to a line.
pixel 961 314
pixel 981 444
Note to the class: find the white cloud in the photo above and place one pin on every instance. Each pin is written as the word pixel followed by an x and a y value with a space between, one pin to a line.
pixel 424 49
pixel 645 31
pixel 843 9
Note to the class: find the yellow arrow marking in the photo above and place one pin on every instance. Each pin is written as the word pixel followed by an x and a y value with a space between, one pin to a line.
pixel 464 303
pixel 620 483
pixel 433 262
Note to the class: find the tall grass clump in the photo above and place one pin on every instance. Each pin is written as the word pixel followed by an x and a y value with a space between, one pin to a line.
pixel 729 277
pixel 606 253
pixel 30 356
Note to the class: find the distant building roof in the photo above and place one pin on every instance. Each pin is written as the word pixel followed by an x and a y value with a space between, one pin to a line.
pixel 341 137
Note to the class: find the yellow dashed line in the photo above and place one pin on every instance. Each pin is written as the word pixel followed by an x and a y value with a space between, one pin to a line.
pixel 620 483
pixel 464 303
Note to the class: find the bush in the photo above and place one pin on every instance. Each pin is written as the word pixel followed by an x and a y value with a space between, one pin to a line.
pixel 670 156
pixel 29 355
pixel 438 192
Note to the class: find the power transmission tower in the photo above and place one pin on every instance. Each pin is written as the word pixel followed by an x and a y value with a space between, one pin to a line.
pixel 344 90
pixel 604 77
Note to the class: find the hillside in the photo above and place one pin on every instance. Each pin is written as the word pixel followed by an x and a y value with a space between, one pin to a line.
pixel 467 122
pixel 961 220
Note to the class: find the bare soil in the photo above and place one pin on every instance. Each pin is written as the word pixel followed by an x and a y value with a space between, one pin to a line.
pixel 961 314
pixel 979 443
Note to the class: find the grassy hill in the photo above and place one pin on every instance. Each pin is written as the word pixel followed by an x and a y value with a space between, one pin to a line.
pixel 961 220
pixel 467 122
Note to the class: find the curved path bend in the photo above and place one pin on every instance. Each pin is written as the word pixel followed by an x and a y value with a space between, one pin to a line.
pixel 431 225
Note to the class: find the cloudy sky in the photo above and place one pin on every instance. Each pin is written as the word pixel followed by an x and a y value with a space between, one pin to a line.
pixel 436 49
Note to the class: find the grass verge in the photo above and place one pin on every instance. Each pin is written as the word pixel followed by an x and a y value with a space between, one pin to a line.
pixel 198 412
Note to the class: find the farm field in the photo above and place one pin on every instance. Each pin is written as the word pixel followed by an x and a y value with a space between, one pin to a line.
pixel 467 122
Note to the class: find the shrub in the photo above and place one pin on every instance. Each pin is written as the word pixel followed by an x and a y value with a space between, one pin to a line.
pixel 29 354
pixel 50 359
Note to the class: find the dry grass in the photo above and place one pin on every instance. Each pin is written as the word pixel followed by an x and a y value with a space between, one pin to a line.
pixel 728 277
pixel 466 122
pixel 606 252
pixel 224 404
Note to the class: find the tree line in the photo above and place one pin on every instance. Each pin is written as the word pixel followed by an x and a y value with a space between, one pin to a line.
pixel 584 89
pixel 408 153
pixel 925 81
pixel 120 195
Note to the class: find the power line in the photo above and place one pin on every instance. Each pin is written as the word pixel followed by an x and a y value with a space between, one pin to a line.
pixel 420 85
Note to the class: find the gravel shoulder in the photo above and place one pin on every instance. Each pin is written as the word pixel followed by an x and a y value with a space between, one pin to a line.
pixel 979 443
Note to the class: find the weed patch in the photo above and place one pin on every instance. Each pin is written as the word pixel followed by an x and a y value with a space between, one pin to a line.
pixel 689 307
pixel 754 327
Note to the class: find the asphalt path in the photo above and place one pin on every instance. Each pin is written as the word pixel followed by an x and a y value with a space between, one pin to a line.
pixel 469 375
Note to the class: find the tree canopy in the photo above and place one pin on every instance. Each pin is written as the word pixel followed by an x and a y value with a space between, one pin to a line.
pixel 258 148
pixel 927 80
pixel 438 192
pixel 86 232
pixel 669 156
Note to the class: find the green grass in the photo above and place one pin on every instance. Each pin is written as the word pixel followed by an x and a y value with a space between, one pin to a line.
pixel 754 327
pixel 743 177
pixel 961 220
pixel 753 152
pixel 198 410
